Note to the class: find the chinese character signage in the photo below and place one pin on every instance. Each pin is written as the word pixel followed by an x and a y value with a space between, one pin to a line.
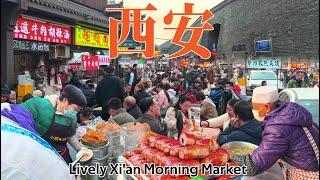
pixel 90 63
pixel 91 38
pixel 75 66
pixel 264 63
pixel 299 66
pixel 33 30
pixel 263 46
pixel 103 60
pixel 147 38
pixel 30 46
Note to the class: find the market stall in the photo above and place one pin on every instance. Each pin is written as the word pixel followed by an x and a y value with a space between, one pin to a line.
pixel 134 145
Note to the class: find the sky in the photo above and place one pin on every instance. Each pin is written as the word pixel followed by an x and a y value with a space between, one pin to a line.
pixel 163 8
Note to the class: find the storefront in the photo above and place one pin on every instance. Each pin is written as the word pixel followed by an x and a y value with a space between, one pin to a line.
pixel 36 40
pixel 90 50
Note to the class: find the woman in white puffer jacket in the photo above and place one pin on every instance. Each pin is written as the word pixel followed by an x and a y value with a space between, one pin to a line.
pixel 222 121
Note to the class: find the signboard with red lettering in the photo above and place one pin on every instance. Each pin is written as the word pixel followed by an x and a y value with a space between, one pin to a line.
pixel 90 63
pixel 103 60
pixel 75 66
pixel 29 29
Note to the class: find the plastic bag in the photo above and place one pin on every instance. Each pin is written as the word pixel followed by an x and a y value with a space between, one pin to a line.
pixel 27 156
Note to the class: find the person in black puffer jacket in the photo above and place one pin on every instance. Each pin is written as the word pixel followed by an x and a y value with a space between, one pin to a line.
pixel 140 93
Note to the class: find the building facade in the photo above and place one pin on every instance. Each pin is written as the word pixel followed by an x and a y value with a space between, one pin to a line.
pixel 292 27
pixel 26 38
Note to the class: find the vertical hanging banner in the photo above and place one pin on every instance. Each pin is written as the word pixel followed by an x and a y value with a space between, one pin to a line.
pixel 90 63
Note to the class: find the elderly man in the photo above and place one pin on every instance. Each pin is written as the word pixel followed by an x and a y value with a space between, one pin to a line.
pixel 151 115
pixel 119 114
pixel 131 106
pixel 289 134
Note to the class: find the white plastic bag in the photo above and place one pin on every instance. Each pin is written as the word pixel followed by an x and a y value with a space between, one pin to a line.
pixel 25 155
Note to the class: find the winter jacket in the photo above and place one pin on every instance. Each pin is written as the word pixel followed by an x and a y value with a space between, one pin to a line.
pixel 171 122
pixel 140 95
pixel 135 111
pixel 208 109
pixel 222 121
pixel 210 76
pixel 42 110
pixel 155 124
pixel 122 117
pixel 174 97
pixel 284 138
pixel 109 87
pixel 90 97
pixel 21 116
pixel 162 99
pixel 250 132
pixel 294 84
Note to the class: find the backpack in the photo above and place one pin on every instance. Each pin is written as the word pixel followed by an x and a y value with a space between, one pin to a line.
pixel 215 95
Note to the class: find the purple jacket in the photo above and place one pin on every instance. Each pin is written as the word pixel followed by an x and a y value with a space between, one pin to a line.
pixel 283 138
pixel 21 116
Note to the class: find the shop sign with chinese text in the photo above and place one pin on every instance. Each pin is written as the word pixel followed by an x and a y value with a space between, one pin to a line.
pixel 90 63
pixel 75 66
pixel 264 63
pixel 103 60
pixel 30 46
pixel 91 38
pixel 299 66
pixel 29 29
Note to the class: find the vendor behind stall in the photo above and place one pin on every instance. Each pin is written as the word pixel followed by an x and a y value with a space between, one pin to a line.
pixel 55 118
pixel 289 134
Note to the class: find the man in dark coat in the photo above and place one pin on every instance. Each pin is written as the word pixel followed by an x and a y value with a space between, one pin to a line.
pixel 151 115
pixel 131 107
pixel 244 127
pixel 109 87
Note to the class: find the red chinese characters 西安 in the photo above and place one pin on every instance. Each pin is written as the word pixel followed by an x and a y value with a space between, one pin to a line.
pixel 29 29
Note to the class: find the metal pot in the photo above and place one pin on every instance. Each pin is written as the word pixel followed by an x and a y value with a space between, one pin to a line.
pixel 99 152
pixel 114 138
pixel 101 162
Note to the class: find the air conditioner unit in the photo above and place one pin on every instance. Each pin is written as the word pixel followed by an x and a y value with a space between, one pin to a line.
pixel 59 51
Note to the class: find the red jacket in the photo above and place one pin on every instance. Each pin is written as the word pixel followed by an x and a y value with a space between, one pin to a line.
pixel 236 89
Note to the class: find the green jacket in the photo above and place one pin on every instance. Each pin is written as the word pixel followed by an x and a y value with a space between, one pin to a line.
pixel 293 84
pixel 42 110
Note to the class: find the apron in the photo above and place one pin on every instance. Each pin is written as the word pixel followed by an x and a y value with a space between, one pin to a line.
pixel 57 135
pixel 292 173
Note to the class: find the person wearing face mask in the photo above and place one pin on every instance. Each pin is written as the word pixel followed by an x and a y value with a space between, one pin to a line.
pixel 264 99
pixel 55 118
pixel 289 135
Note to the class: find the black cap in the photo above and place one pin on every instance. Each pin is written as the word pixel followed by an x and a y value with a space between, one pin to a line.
pixel 74 95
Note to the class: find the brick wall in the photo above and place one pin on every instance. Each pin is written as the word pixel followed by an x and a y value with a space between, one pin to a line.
pixel 293 26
